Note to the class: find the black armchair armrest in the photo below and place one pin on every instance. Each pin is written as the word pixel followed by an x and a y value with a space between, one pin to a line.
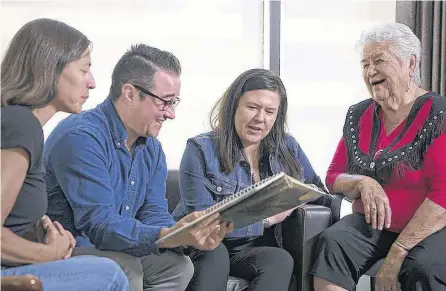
pixel 336 202
pixel 300 232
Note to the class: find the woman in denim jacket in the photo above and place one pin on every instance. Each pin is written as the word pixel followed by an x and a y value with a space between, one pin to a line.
pixel 248 143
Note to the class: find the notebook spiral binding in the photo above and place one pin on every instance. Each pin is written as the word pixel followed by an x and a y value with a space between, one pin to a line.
pixel 238 194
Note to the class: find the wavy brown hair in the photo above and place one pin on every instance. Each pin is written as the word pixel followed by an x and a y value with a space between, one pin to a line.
pixel 222 120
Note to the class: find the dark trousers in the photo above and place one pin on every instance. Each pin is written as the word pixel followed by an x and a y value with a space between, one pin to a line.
pixel 350 247
pixel 266 268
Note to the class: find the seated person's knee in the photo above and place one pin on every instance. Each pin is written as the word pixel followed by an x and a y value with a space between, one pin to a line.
pixel 416 267
pixel 280 259
pixel 187 267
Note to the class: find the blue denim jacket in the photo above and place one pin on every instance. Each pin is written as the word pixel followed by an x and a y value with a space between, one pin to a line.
pixel 98 191
pixel 203 183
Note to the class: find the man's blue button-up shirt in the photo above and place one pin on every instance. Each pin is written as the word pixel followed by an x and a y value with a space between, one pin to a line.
pixel 98 190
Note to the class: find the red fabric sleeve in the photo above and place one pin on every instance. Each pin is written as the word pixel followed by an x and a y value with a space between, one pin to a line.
pixel 339 165
pixel 434 168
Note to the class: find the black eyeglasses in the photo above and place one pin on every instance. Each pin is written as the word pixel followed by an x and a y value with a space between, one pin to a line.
pixel 166 103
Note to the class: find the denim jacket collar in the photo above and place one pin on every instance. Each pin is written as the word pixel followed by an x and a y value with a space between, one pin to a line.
pixel 117 128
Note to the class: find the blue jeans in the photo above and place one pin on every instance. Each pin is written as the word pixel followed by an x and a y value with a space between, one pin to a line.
pixel 86 273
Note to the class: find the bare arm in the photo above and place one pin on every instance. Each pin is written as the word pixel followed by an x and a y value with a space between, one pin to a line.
pixel 428 219
pixel 337 178
pixel 376 203
pixel 349 185
pixel 14 249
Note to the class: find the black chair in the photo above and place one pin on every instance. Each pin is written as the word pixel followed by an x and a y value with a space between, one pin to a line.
pixel 336 209
pixel 300 232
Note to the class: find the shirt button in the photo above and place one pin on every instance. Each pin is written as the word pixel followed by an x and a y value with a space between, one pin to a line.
pixel 127 208
pixel 218 189
pixel 132 183
pixel 118 144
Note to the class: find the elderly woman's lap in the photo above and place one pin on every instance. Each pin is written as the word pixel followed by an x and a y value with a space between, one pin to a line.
pixel 425 266
pixel 350 247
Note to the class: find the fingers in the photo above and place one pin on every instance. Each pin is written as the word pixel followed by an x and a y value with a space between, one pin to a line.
pixel 367 212
pixel 67 256
pixel 215 237
pixel 381 214
pixel 46 222
pixel 210 220
pixel 201 232
pixel 72 239
pixel 377 209
pixel 50 229
pixel 388 219
pixel 209 241
pixel 373 215
pixel 197 214
pixel 386 286
pixel 207 236
pixel 59 227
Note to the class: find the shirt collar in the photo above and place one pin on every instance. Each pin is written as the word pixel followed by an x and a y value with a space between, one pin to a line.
pixel 117 128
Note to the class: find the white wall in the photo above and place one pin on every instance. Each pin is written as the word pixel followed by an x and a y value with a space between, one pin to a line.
pixel 214 40
pixel 321 70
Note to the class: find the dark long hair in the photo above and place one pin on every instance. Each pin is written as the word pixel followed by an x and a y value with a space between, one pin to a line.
pixel 222 120
pixel 34 60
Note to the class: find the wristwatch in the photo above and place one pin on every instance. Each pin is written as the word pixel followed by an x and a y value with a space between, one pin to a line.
pixel 266 223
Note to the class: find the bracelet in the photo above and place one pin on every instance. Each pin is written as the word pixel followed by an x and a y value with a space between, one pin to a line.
pixel 266 223
pixel 398 243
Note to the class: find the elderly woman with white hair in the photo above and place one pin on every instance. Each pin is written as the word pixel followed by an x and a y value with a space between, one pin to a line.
pixel 390 162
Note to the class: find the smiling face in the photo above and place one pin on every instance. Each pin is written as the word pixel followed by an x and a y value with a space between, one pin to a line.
pixel 149 113
pixel 74 85
pixel 385 76
pixel 255 115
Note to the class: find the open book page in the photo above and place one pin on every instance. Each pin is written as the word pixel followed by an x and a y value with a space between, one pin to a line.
pixel 270 196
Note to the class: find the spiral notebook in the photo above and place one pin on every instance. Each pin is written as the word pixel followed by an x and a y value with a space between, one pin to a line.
pixel 266 198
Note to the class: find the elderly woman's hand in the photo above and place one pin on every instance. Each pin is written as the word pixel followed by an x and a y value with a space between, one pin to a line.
pixel 387 277
pixel 376 203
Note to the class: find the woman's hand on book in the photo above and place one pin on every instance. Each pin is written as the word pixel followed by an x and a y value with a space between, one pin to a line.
pixel 206 235
pixel 278 218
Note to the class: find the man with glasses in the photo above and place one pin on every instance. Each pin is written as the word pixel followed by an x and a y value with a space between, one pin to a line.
pixel 106 176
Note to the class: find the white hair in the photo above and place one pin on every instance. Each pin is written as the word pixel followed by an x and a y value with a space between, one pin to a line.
pixel 404 42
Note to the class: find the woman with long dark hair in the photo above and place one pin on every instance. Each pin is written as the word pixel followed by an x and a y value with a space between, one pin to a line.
pixel 247 144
